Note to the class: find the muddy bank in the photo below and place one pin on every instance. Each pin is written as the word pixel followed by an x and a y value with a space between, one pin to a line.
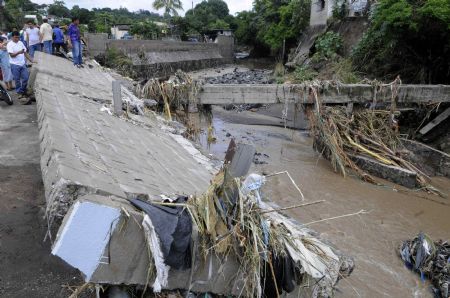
pixel 395 214
pixel 26 267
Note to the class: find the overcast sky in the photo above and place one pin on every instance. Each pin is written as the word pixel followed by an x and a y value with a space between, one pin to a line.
pixel 133 5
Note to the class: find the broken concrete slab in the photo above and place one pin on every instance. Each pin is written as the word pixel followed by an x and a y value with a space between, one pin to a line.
pixel 392 173
pixel 125 260
pixel 84 150
pixel 87 234
pixel 115 252
pixel 431 161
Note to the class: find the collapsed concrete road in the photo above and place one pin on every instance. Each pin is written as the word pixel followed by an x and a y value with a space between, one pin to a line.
pixel 93 161
pixel 85 150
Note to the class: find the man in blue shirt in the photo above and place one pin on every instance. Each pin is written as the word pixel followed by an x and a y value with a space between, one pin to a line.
pixel 74 38
pixel 58 39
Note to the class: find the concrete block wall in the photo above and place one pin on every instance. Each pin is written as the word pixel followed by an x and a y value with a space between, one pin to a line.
pixel 161 58
pixel 96 43
pixel 226 47
pixel 134 46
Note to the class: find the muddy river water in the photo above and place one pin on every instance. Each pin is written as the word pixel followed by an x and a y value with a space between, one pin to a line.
pixel 372 239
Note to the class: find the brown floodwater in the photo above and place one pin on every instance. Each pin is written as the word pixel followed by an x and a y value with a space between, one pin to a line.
pixel 395 213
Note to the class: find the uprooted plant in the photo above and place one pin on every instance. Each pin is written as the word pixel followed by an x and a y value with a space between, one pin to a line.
pixel 175 95
pixel 339 135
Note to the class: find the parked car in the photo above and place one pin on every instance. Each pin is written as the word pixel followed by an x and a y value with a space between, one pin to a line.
pixel 127 36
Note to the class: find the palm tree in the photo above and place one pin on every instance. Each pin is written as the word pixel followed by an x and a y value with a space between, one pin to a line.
pixel 170 6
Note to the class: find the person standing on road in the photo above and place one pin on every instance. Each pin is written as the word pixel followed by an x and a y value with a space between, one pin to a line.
pixel 33 38
pixel 18 52
pixel 58 39
pixel 46 32
pixel 74 39
pixel 5 65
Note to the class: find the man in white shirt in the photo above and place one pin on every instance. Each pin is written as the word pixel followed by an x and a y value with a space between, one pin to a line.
pixel 46 31
pixel 18 52
pixel 33 38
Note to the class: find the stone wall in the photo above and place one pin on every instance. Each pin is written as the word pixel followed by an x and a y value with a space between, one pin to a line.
pixel 134 46
pixel 154 58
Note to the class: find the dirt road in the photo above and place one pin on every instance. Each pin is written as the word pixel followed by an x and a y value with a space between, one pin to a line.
pixel 27 269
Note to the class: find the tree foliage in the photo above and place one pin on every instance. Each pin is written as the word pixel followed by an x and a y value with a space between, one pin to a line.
pixel 14 12
pixel 327 46
pixel 145 29
pixel 273 21
pixel 170 7
pixel 82 13
pixel 100 20
pixel 59 9
pixel 209 15
pixel 410 38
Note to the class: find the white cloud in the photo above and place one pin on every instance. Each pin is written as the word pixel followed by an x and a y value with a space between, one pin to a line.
pixel 133 5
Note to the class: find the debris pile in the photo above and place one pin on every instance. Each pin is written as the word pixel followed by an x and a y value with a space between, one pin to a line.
pixel 431 260
pixel 345 137
pixel 231 220
pixel 177 93
pixel 254 76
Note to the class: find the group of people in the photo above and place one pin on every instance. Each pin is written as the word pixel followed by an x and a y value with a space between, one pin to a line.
pixel 18 46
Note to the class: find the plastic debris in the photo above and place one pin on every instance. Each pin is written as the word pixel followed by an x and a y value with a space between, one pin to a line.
pixel 429 259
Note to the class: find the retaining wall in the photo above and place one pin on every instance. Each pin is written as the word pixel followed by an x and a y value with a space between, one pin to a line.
pixel 153 58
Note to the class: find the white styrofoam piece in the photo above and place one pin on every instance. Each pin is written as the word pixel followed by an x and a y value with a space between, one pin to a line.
pixel 85 236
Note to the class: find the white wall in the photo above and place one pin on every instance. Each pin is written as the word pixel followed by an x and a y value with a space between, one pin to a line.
pixel 118 34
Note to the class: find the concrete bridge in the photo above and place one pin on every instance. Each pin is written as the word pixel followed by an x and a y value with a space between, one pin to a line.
pixel 339 94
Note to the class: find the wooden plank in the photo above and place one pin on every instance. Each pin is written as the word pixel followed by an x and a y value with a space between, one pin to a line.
pixel 223 94
pixel 435 122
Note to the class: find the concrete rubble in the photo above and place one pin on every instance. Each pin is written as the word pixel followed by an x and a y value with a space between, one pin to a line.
pixel 93 161
pixel 253 76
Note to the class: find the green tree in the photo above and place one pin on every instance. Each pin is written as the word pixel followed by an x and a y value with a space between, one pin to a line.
pixel 59 9
pixel 145 29
pixel 218 24
pixel 279 21
pixel 101 22
pixel 15 10
pixel 409 38
pixel 208 15
pixel 171 7
pixel 82 13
